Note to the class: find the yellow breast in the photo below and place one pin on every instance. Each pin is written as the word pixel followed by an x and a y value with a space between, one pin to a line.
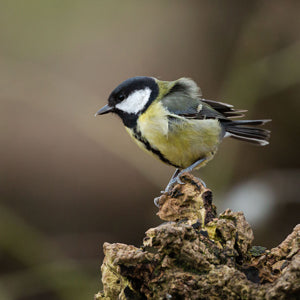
pixel 180 141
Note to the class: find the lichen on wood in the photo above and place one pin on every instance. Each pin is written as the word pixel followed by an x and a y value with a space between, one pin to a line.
pixel 197 255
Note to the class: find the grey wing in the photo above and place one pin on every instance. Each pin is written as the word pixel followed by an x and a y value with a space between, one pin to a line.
pixel 225 109
pixel 182 104
pixel 185 99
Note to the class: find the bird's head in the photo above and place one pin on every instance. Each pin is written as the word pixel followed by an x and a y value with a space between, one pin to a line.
pixel 131 98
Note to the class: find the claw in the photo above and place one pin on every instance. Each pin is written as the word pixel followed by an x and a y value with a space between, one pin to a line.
pixel 178 179
pixel 170 185
pixel 156 201
pixel 202 182
pixel 172 182
pixel 176 176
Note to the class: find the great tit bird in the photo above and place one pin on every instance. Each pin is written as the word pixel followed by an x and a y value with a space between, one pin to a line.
pixel 173 122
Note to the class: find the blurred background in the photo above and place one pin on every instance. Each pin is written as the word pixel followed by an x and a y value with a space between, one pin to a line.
pixel 69 181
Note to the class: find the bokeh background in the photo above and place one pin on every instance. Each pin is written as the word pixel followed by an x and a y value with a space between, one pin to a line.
pixel 69 181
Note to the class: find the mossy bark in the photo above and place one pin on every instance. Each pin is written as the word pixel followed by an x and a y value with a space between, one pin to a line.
pixel 196 255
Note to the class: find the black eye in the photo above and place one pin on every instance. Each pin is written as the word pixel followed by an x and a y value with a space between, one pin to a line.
pixel 121 97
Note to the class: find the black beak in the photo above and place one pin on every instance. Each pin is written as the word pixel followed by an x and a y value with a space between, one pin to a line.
pixel 104 110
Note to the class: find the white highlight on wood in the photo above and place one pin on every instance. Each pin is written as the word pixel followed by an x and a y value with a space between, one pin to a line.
pixel 135 102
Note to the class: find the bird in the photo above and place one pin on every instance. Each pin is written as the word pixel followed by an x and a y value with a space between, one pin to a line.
pixel 173 122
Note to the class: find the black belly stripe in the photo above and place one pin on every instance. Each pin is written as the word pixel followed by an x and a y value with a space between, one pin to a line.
pixel 139 137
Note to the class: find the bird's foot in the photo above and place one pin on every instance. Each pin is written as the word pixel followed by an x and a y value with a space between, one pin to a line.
pixel 202 182
pixel 169 187
pixel 178 180
pixel 175 180
pixel 172 182
pixel 156 199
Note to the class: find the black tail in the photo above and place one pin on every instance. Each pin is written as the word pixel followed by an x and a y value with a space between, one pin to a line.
pixel 237 130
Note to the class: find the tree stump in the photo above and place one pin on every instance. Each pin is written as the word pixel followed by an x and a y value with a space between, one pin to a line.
pixel 197 255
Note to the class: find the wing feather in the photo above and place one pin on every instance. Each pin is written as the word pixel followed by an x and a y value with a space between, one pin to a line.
pixel 225 109
pixel 183 101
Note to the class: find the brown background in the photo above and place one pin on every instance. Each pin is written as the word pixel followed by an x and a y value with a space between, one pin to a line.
pixel 69 181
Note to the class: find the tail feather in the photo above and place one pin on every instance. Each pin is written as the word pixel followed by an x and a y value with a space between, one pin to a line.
pixel 237 130
pixel 247 139
pixel 251 122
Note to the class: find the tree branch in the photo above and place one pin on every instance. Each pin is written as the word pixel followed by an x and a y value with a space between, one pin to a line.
pixel 195 255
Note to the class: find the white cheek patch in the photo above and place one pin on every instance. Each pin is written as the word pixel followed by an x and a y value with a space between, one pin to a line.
pixel 135 102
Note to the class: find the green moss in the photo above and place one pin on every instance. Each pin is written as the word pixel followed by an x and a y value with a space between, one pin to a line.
pixel 257 250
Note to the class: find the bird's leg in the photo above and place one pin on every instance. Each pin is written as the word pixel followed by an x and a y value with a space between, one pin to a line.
pixel 178 173
pixel 176 177
pixel 190 169
pixel 171 182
